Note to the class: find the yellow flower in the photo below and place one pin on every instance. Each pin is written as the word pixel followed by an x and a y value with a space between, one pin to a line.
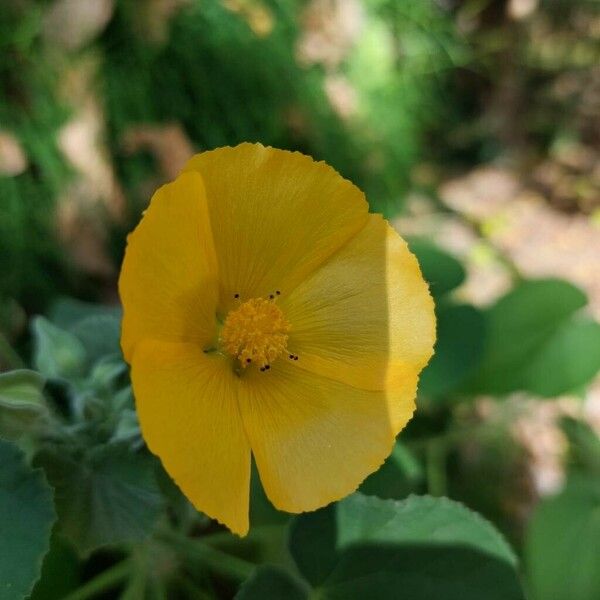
pixel 266 312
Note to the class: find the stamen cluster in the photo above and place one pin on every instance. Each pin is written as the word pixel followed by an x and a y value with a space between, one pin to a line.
pixel 256 332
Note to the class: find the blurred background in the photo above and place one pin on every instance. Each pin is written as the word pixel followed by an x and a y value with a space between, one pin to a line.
pixel 473 125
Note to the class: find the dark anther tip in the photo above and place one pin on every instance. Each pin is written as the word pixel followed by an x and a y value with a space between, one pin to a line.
pixel 267 367
pixel 291 357
pixel 271 296
pixel 296 357
pixel 248 360
pixel 278 292
pixel 236 295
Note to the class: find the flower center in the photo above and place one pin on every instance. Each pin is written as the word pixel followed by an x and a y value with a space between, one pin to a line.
pixel 256 332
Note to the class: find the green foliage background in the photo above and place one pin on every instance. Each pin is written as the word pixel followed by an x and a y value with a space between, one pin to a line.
pixel 425 89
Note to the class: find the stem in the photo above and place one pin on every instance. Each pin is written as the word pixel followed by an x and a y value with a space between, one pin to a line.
pixel 451 437
pixel 218 561
pixel 258 531
pixel 478 228
pixel 191 589
pixel 158 590
pixel 135 587
pixel 103 582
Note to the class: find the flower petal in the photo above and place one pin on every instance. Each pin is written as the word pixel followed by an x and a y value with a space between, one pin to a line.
pixel 315 439
pixel 275 216
pixel 188 409
pixel 168 283
pixel 365 317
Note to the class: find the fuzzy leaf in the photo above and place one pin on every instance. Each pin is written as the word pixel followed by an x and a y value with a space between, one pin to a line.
pixel 26 518
pixel 22 403
pixel 108 496
pixel 57 353
pixel 99 335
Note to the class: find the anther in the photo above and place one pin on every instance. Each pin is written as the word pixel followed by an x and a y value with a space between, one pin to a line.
pixel 248 360
pixel 271 296
pixel 291 357
pixel 278 292
pixel 236 296
pixel 267 367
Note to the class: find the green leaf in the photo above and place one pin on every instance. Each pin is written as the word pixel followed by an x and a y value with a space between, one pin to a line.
pixel 272 583
pixel 399 475
pixel 26 518
pixel 441 270
pixel 567 361
pixel 107 496
pixel 99 335
pixel 536 304
pixel 22 403
pixel 262 511
pixel 267 539
pixel 584 447
pixel 57 353
pixel 67 312
pixel 127 429
pixel 107 372
pixel 563 544
pixel 458 350
pixel 61 573
pixel 519 325
pixel 429 548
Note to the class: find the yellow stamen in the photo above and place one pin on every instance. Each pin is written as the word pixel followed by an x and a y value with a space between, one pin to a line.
pixel 256 332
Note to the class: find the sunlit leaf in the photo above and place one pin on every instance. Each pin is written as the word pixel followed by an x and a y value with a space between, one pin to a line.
pixel 419 548
pixel 526 329
pixel 568 360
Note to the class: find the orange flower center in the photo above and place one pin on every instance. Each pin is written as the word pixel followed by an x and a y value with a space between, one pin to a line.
pixel 256 332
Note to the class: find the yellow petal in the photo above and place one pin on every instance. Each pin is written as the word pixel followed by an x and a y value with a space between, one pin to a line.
pixel 365 317
pixel 168 283
pixel 315 439
pixel 275 216
pixel 189 415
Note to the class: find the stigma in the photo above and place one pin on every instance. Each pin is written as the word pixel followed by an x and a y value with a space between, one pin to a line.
pixel 256 332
